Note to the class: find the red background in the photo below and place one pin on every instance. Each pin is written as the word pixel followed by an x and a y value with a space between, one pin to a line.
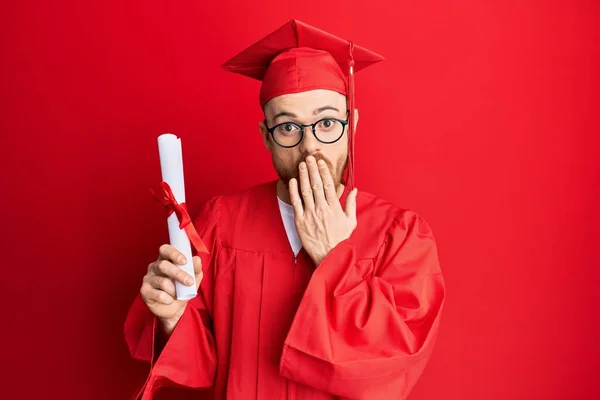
pixel 484 119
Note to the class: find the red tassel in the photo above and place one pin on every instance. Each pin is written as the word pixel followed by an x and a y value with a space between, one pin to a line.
pixel 351 105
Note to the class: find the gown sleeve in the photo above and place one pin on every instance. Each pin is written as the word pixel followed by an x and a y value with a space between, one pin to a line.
pixel 365 329
pixel 188 357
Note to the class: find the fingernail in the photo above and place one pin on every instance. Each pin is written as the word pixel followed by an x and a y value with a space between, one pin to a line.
pixel 189 281
pixel 302 166
pixel 181 260
pixel 321 163
pixel 310 159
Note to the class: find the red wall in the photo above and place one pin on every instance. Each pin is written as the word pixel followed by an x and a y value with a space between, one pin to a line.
pixel 484 119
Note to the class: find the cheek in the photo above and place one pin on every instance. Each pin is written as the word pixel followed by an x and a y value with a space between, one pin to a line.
pixel 284 157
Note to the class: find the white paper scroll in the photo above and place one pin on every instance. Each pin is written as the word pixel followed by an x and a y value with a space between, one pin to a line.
pixel 171 164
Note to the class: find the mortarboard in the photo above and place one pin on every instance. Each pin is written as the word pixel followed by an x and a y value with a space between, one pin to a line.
pixel 298 57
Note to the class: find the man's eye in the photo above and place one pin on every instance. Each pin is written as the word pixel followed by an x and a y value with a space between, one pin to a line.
pixel 288 128
pixel 327 124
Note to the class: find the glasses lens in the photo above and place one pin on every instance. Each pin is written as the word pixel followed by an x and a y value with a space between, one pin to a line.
pixel 329 130
pixel 288 134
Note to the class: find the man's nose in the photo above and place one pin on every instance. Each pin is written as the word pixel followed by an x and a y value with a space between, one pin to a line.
pixel 309 144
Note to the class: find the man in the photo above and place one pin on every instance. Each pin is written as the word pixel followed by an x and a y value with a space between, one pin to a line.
pixel 310 289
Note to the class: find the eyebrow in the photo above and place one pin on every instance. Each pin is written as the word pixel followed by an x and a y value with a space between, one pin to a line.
pixel 284 114
pixel 321 109
pixel 315 112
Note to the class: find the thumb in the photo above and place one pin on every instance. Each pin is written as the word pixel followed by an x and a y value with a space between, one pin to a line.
pixel 198 270
pixel 350 208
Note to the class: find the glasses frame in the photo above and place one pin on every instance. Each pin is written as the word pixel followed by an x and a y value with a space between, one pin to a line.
pixel 303 127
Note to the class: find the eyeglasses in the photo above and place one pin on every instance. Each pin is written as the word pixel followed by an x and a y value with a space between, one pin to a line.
pixel 290 134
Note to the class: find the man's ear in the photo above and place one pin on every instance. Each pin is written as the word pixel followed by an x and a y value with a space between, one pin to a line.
pixel 266 136
pixel 355 119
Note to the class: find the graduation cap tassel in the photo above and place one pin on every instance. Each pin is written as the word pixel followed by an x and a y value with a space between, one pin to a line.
pixel 351 105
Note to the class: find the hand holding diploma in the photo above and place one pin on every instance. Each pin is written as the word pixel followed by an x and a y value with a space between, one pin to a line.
pixel 175 276
pixel 158 287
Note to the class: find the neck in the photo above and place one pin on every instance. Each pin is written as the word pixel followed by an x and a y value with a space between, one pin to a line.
pixel 284 194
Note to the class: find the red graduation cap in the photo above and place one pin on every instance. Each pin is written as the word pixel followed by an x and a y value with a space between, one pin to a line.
pixel 298 57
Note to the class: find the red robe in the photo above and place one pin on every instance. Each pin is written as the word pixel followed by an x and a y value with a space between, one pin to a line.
pixel 269 325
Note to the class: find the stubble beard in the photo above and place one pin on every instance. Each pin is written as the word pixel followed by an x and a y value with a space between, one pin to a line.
pixel 286 173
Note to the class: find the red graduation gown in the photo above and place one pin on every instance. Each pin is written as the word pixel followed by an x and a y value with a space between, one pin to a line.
pixel 269 325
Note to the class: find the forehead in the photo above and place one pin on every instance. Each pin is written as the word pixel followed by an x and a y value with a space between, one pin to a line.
pixel 304 103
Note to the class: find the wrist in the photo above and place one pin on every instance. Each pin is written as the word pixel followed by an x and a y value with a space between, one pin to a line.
pixel 318 258
pixel 168 324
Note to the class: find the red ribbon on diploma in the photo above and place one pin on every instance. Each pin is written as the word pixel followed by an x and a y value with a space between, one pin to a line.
pixel 165 196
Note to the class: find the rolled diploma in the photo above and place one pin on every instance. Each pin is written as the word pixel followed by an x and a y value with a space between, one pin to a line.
pixel 171 164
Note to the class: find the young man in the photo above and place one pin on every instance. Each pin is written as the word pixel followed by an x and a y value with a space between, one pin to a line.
pixel 310 289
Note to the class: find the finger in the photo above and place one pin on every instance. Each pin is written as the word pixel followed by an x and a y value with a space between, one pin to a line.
pixel 165 268
pixel 198 270
pixel 350 208
pixel 316 182
pixel 152 295
pixel 295 198
pixel 162 283
pixel 197 265
pixel 328 184
pixel 170 253
pixel 306 190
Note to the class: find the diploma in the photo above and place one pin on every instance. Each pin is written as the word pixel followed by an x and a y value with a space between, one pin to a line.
pixel 171 165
